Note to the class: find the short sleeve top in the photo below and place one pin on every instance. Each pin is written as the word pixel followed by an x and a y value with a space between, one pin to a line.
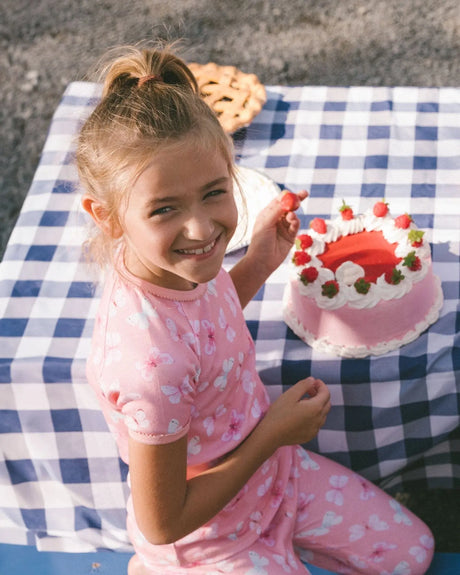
pixel 166 363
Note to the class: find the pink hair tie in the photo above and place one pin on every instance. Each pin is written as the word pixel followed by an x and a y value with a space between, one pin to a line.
pixel 145 79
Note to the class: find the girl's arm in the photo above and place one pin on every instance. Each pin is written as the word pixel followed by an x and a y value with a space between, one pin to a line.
pixel 167 506
pixel 274 233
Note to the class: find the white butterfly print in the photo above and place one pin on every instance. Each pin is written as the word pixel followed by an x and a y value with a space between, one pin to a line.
pixel 264 487
pixel 375 523
pixel 188 338
pixel 234 536
pixel 335 495
pixel 154 358
pixel 259 562
pixel 367 491
pixel 173 426
pixel 402 568
pixel 254 522
pixel 210 329
pixel 306 461
pixel 229 331
pixel 256 410
pixel 303 505
pixel 420 552
pixel 231 298
pixel 174 393
pixel 288 565
pixel 203 385
pixel 211 289
pixel 221 381
pixel 247 381
pixel 138 420
pixel 141 319
pixel 194 445
pixel 233 432
pixel 209 422
pixel 113 352
pixel 330 519
pixel 400 517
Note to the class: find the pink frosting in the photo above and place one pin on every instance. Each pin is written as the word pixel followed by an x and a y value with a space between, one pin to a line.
pixel 350 327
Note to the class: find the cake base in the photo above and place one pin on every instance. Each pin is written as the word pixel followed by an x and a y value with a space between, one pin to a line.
pixel 351 332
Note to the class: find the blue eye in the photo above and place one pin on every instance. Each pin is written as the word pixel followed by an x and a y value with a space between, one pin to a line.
pixel 161 211
pixel 214 193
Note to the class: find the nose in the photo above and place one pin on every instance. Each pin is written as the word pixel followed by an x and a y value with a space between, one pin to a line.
pixel 198 225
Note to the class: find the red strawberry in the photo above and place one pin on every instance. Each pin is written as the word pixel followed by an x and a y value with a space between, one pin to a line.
pixel 308 275
pixel 318 225
pixel 416 238
pixel 380 209
pixel 394 277
pixel 303 242
pixel 346 211
pixel 403 222
pixel 300 258
pixel 289 201
pixel 412 262
pixel 330 289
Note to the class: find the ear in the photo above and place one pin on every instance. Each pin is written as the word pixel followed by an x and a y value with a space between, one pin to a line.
pixel 101 217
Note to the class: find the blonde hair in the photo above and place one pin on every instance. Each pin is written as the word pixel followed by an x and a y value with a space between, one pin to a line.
pixel 150 101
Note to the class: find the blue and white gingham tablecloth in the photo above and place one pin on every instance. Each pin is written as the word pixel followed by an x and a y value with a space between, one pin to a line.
pixel 395 418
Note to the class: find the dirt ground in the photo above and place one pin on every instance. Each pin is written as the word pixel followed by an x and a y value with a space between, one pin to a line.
pixel 45 44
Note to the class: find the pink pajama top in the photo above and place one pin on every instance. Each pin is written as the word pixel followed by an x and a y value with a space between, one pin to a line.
pixel 167 363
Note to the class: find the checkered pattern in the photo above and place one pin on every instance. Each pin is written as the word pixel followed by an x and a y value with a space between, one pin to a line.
pixel 395 418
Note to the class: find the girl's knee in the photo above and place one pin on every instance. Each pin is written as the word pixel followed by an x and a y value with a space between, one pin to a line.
pixel 136 567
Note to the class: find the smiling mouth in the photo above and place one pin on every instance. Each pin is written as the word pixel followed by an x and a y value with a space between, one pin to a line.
pixel 199 251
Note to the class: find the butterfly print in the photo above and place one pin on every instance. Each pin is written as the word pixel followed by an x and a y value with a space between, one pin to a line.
pixel 375 524
pixel 210 329
pixel 420 552
pixel 233 432
pixel 154 359
pixel 209 422
pixel 142 318
pixel 259 562
pixel 221 381
pixel 400 516
pixel 330 519
pixel 187 338
pixel 174 393
pixel 335 495
pixel 229 331
pixel 231 298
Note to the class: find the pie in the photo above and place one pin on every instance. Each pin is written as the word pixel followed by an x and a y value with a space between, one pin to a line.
pixel 234 96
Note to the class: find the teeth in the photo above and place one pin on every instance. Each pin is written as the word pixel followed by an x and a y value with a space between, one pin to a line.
pixel 200 251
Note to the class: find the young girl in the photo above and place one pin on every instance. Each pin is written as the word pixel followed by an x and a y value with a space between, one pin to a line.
pixel 218 481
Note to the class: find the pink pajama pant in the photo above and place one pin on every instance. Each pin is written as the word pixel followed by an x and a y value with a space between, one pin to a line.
pixel 329 517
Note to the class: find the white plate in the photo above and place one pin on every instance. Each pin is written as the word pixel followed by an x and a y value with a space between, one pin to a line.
pixel 258 190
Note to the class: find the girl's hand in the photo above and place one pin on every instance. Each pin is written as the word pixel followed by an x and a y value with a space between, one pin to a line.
pixel 299 413
pixel 275 230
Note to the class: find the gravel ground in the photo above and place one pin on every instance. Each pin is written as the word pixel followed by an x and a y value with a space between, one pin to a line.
pixel 45 44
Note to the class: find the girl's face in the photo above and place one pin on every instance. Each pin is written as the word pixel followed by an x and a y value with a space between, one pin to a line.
pixel 179 217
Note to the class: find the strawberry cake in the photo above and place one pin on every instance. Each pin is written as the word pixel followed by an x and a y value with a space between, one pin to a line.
pixel 362 285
